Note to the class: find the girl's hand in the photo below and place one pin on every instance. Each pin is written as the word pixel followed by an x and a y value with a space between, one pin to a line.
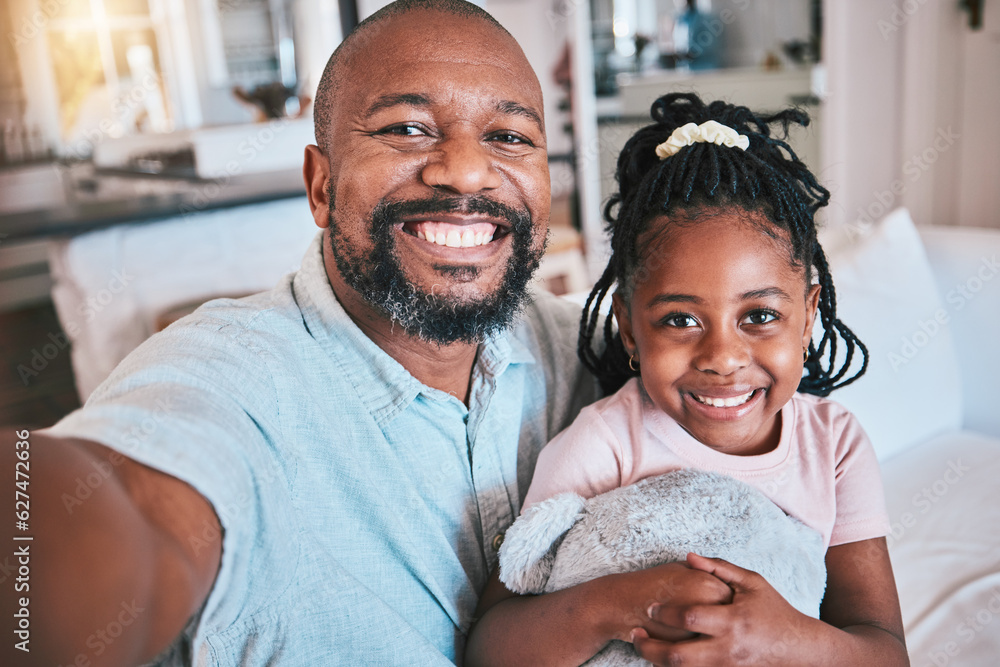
pixel 568 627
pixel 757 627
pixel 673 586
pixel 860 620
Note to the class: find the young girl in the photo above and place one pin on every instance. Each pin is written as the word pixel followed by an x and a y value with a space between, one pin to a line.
pixel 713 253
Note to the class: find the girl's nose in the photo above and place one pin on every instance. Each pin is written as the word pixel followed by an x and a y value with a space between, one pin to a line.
pixel 722 353
pixel 461 164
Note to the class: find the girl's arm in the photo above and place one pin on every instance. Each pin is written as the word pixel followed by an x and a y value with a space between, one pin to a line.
pixel 860 621
pixel 569 626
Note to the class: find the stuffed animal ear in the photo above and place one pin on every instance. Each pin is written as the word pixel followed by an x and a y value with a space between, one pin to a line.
pixel 529 547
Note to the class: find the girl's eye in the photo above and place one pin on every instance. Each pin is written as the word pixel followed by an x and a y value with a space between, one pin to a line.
pixel 761 317
pixel 679 320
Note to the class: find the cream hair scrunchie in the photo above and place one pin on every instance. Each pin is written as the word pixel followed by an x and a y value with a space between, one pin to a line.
pixel 709 132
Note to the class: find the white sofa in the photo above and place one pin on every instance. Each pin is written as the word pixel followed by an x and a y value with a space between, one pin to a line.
pixel 927 304
pixel 111 286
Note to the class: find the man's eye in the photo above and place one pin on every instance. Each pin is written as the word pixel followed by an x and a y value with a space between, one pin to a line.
pixel 761 317
pixel 509 138
pixel 403 130
pixel 679 320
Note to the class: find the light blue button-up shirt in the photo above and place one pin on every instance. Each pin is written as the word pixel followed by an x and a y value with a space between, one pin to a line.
pixel 360 508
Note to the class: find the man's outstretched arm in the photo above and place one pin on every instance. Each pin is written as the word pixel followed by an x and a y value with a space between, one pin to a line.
pixel 114 574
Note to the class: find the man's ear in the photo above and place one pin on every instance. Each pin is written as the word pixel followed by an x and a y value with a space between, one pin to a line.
pixel 620 309
pixel 812 303
pixel 316 172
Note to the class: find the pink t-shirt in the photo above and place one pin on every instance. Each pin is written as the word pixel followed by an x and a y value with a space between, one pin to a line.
pixel 823 471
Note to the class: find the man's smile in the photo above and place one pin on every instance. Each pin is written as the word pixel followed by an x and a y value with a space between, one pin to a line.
pixel 468 261
pixel 457 230
pixel 451 234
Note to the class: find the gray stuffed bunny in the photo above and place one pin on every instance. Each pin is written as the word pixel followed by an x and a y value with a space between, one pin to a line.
pixel 566 540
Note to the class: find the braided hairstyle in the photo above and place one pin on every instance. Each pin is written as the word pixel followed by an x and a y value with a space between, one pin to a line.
pixel 767 178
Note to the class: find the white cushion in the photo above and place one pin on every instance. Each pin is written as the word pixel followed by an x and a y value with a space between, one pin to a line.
pixel 887 295
pixel 112 285
pixel 966 263
pixel 945 547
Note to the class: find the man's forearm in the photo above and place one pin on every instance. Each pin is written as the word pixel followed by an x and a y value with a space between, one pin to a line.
pixel 109 584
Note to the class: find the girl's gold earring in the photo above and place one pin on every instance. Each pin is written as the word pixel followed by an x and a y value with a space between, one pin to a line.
pixel 805 356
pixel 632 365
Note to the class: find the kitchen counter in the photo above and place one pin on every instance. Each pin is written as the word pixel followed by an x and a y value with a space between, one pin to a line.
pixel 55 199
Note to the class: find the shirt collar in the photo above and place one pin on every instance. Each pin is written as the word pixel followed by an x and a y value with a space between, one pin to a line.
pixel 381 382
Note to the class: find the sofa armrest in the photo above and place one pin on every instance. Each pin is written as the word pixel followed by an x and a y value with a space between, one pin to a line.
pixel 966 266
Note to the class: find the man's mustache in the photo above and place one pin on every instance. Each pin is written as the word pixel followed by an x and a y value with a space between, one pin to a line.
pixel 391 213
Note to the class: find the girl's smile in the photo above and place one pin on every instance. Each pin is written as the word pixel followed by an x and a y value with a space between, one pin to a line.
pixel 718 322
pixel 724 407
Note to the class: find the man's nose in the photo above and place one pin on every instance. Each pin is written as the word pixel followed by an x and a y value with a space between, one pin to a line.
pixel 463 165
pixel 722 352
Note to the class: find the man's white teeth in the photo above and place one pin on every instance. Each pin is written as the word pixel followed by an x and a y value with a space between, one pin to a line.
pixel 724 402
pixel 456 239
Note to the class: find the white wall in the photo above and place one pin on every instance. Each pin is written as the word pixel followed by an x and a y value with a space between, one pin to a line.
pixel 909 120
pixel 317 34
pixel 978 175
pixel 861 114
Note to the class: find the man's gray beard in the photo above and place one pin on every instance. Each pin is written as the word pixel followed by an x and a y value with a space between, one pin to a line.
pixel 379 279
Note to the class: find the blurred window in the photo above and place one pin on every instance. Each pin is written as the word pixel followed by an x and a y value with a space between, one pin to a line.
pixel 106 62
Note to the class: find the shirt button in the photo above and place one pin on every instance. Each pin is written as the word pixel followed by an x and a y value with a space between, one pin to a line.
pixel 497 541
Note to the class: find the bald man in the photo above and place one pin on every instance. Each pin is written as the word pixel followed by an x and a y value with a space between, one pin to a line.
pixel 323 473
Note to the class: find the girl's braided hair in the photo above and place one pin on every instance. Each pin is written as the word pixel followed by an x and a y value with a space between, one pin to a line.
pixel 767 178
